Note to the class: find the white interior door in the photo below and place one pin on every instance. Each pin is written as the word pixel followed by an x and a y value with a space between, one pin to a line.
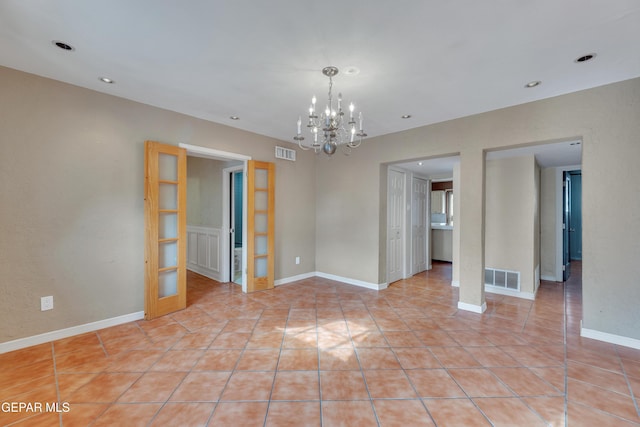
pixel 395 224
pixel 419 215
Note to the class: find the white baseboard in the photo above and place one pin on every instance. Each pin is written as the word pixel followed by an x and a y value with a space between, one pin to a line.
pixel 69 332
pixel 610 338
pixel 291 279
pixel 355 282
pixel 473 308
pixel 509 292
pixel 550 278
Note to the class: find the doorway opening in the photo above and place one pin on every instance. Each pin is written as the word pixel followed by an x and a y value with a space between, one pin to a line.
pixel 571 220
pixel 223 251
pixel 236 196
pixel 410 219
pixel 441 214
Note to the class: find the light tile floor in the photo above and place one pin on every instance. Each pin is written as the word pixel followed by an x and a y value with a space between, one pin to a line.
pixel 318 352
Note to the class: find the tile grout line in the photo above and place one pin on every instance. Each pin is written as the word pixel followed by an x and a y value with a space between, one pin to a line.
pixel 55 379
pixel 275 372
pixel 319 369
pixel 422 400
pixel 184 378
pixel 565 292
pixel 364 378
pixel 166 352
pixel 634 398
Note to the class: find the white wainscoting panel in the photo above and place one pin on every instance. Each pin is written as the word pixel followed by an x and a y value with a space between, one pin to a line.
pixel 203 251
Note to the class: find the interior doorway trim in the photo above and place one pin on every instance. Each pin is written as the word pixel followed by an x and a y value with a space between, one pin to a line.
pixel 227 273
pixel 210 153
pixel 559 191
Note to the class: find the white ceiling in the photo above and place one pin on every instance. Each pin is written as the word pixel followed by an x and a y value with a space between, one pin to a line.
pixel 261 60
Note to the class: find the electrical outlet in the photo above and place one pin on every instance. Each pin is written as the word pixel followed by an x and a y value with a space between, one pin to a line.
pixel 297 260
pixel 46 303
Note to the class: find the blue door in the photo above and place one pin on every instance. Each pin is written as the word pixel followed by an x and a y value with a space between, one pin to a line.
pixel 575 217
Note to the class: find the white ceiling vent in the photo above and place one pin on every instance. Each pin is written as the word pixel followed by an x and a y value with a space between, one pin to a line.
pixel 285 153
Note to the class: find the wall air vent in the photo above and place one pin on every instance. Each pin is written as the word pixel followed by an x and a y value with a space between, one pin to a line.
pixel 285 153
pixel 502 278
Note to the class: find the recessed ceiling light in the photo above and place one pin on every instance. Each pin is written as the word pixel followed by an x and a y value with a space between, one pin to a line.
pixel 352 71
pixel 234 117
pixel 106 80
pixel 585 58
pixel 63 45
pixel 533 84
pixel 420 163
pixel 406 116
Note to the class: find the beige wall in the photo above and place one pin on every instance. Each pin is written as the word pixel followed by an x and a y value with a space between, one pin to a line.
pixel 346 187
pixel 205 207
pixel 607 119
pixel 71 200
pixel 511 215
pixel 204 192
pixel 71 208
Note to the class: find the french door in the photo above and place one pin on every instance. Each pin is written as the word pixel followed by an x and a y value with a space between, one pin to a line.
pixel 260 225
pixel 165 198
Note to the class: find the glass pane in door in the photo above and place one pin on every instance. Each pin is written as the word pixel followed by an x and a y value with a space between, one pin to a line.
pixel 167 225
pixel 167 254
pixel 261 223
pixel 261 267
pixel 261 201
pixel 167 167
pixel 261 178
pixel 168 196
pixel 261 245
pixel 167 283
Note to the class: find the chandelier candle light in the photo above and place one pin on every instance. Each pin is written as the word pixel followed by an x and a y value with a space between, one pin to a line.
pixel 332 125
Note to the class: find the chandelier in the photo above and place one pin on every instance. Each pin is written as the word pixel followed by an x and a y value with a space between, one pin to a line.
pixel 332 126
